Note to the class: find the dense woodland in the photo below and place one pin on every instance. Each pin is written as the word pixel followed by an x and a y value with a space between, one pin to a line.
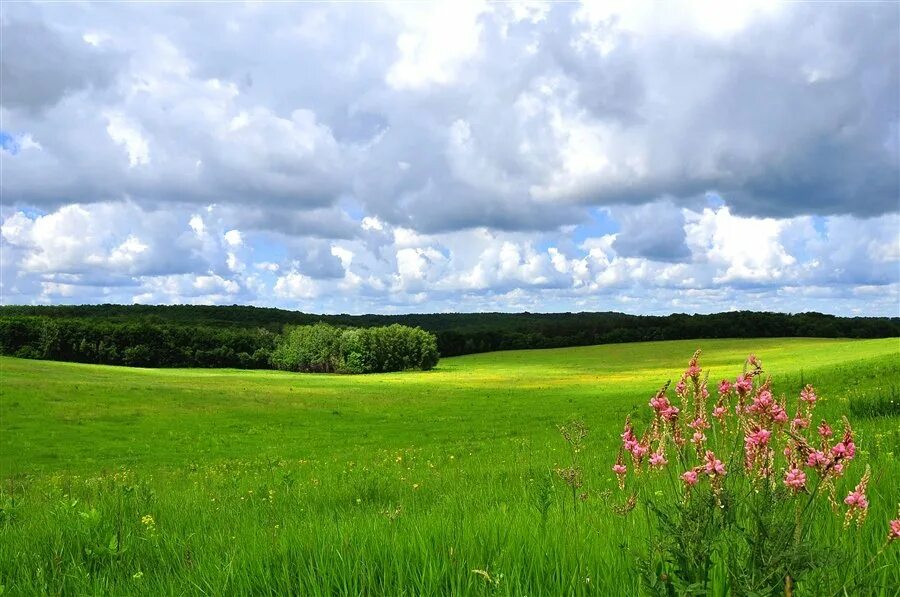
pixel 237 336
pixel 324 348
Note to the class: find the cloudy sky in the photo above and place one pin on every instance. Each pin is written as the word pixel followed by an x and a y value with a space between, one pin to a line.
pixel 647 158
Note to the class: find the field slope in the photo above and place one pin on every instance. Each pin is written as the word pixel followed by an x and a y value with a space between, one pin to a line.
pixel 118 480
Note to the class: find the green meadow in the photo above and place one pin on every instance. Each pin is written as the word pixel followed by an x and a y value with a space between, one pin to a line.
pixel 118 481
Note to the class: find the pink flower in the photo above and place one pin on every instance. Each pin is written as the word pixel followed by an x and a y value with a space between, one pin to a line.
pixel 629 441
pixel 724 387
pixel 846 447
pixel 758 438
pixel 817 459
pixel 639 451
pixel 857 499
pixel 743 383
pixel 844 450
pixel 894 530
pixel 808 395
pixel 779 415
pixel 838 469
pixel 762 403
pixel 800 423
pixel 698 424
pixel 659 403
pixel 824 430
pixel 620 470
pixel 713 465
pixel 690 478
pixel 698 437
pixel 681 388
pixel 670 413
pixel 658 459
pixel 795 479
pixel 719 412
pixel 693 369
pixel 753 361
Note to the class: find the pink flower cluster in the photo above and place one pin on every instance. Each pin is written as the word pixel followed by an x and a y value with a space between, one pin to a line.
pixel 795 479
pixel 744 384
pixel 857 502
pixel 760 422
pixel 690 477
pixel 808 395
pixel 664 408
pixel 857 499
pixel 757 439
pixel 713 466
pixel 766 407
pixel 894 529
pixel 658 460
pixel 817 459
pixel 631 443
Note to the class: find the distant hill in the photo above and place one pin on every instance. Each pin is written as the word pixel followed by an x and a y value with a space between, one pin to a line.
pixel 190 335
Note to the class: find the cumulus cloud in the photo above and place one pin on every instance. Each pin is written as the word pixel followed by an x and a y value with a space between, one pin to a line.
pixel 742 249
pixel 73 254
pixel 294 285
pixel 44 62
pixel 391 157
pixel 118 239
pixel 653 230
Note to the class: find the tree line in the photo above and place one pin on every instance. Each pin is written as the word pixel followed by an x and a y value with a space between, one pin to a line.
pixel 321 347
pixel 135 343
pixel 238 336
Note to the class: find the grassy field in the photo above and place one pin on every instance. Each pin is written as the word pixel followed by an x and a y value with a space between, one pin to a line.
pixel 121 481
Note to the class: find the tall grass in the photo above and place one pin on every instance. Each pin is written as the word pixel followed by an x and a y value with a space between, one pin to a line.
pixel 876 402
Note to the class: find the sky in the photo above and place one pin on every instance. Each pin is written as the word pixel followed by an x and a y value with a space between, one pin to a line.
pixel 461 156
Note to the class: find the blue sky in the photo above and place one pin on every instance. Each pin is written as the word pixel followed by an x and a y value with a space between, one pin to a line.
pixel 467 156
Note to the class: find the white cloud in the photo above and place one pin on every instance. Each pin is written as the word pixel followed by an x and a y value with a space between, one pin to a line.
pixel 204 289
pixel 55 289
pixel 126 134
pixel 213 283
pixel 294 285
pixel 477 156
pixel 749 249
pixel 197 225
pixel 708 17
pixel 436 41
pixel 125 254
pixel 371 223
pixel 267 266
pixel 233 238
pixel 344 254
pixel 234 263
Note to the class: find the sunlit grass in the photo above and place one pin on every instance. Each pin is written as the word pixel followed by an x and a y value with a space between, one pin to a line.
pixel 270 482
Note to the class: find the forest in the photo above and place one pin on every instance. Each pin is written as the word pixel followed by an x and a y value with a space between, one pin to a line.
pixel 324 348
pixel 246 337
